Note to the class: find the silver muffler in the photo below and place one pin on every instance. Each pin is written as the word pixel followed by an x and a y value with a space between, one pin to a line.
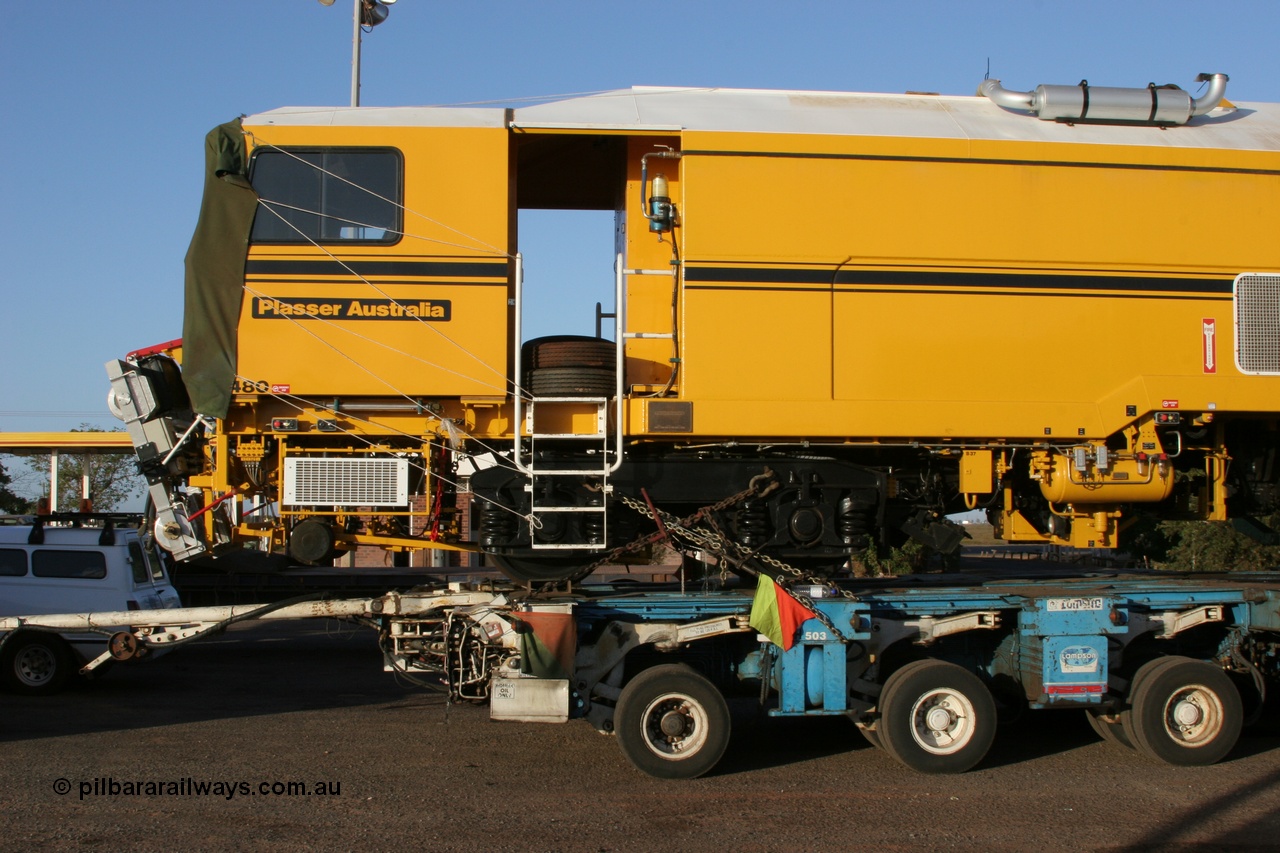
pixel 1154 105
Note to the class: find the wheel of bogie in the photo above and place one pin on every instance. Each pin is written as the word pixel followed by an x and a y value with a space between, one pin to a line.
pixel 672 723
pixel 1186 713
pixel 936 717
pixel 541 569
pixel 1107 725
pixel 36 663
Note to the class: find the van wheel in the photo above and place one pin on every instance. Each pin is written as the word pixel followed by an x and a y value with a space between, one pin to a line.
pixel 36 663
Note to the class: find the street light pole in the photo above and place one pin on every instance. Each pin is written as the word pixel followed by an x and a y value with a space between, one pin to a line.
pixel 355 53
pixel 366 13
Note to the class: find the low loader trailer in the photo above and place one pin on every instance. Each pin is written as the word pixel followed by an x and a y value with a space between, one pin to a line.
pixel 1169 665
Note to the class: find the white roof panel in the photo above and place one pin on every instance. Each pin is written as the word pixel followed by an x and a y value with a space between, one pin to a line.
pixel 1245 126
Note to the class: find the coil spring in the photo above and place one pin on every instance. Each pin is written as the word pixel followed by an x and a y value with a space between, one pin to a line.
pixel 497 526
pixel 751 522
pixel 855 521
pixel 593 525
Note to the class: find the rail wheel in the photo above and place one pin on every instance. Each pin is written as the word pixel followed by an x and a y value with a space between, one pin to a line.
pixel 672 723
pixel 36 663
pixel 1186 713
pixel 936 717
pixel 542 569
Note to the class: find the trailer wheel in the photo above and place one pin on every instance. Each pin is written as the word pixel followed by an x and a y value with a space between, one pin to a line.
pixel 872 735
pixel 672 723
pixel 936 717
pixel 1110 730
pixel 36 663
pixel 1126 715
pixel 1186 713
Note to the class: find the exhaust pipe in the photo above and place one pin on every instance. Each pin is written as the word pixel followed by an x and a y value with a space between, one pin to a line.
pixel 1154 105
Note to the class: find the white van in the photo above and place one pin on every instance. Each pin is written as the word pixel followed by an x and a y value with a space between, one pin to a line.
pixel 70 563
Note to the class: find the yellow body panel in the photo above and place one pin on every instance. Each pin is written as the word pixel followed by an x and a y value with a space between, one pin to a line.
pixel 424 316
pixel 1005 295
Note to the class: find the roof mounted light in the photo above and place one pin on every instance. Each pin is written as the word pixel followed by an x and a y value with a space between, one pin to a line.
pixel 374 12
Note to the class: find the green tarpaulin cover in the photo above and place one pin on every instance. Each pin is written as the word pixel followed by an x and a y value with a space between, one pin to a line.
pixel 215 272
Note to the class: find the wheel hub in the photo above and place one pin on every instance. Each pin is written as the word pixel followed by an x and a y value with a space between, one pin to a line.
pixel 939 719
pixel 942 721
pixel 674 724
pixel 35 665
pixel 1187 714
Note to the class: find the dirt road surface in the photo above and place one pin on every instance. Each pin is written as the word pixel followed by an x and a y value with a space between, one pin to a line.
pixel 122 763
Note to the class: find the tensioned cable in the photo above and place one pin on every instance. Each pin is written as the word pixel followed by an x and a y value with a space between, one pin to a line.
pixel 298 402
pixel 392 202
pixel 516 388
pixel 338 327
pixel 283 206
pixel 391 387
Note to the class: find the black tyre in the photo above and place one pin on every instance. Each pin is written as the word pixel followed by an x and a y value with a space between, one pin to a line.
pixel 672 723
pixel 570 382
pixel 936 717
pixel 872 735
pixel 1126 714
pixel 1186 713
pixel 568 351
pixel 36 663
pixel 1107 725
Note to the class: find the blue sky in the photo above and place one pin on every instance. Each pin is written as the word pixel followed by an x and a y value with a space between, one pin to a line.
pixel 106 104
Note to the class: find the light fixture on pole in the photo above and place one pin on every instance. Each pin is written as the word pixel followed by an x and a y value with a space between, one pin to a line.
pixel 368 13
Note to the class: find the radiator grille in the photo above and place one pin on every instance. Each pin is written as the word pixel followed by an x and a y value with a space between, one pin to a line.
pixel 346 482
pixel 1257 302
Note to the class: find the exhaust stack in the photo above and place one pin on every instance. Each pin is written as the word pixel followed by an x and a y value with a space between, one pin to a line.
pixel 1155 105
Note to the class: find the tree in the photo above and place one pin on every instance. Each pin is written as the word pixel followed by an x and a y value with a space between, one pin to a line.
pixel 1198 546
pixel 9 502
pixel 113 477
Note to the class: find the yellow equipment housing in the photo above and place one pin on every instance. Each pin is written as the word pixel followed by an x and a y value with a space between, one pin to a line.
pixel 901 305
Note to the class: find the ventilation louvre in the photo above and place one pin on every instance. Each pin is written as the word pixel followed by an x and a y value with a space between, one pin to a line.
pixel 346 482
pixel 1257 307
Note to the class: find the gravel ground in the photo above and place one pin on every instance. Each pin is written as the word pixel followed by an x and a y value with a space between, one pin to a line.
pixel 308 703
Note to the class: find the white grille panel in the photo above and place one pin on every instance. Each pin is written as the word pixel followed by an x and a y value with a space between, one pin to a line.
pixel 1257 304
pixel 346 482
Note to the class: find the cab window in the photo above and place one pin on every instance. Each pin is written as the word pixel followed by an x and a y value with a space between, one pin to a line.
pixel 13 563
pixel 332 195
pixel 50 563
